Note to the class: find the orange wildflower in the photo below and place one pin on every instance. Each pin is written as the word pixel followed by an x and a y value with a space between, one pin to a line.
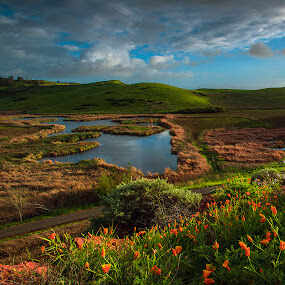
pixel 226 265
pixel 178 249
pixel 263 220
pixel 145 246
pixel 174 231
pixel 105 231
pixel 106 268
pixel 103 252
pixel 136 255
pixel 156 270
pixel 52 235
pixel 87 265
pixel 206 273
pixel 79 242
pixel 249 238
pixel 260 270
pixel 273 210
pixel 247 193
pixel 216 245
pixel 210 267
pixel 174 252
pixel 264 241
pixel 274 233
pixel 268 234
pixel 282 245
pixel 159 245
pixel 242 245
pixel 209 281
pixel 247 252
pixel 43 249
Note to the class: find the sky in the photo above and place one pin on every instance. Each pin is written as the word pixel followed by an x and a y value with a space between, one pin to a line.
pixel 186 43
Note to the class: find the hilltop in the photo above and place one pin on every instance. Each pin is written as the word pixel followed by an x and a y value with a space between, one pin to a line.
pixel 115 96
pixel 102 97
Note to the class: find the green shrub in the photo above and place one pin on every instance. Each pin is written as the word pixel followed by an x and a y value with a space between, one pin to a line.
pixel 144 202
pixel 267 175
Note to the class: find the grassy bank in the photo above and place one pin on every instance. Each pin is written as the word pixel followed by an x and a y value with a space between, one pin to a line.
pixel 131 130
pixel 51 146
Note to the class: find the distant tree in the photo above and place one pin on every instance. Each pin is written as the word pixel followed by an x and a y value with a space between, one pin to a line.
pixel 19 198
pixel 20 79
pixel 11 77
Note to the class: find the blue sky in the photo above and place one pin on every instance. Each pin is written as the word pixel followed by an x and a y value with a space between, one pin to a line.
pixel 189 44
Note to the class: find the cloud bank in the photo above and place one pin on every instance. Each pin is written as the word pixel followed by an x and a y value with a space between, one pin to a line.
pixel 131 39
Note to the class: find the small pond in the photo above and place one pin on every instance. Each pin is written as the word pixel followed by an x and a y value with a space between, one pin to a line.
pixel 151 153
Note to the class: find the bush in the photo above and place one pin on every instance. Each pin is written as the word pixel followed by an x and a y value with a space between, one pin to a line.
pixel 267 175
pixel 144 202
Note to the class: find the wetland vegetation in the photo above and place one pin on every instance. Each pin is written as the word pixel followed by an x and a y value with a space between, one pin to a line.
pixel 236 231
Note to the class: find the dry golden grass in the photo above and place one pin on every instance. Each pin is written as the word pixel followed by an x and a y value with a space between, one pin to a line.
pixel 247 146
pixel 190 163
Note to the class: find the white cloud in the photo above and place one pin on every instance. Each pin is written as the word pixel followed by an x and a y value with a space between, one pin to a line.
pixel 71 47
pixel 260 50
pixel 162 62
pixel 6 21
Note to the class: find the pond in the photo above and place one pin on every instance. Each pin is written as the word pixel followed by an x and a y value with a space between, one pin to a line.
pixel 149 154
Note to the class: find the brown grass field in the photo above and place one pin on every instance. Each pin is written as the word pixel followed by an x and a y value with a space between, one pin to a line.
pixel 247 146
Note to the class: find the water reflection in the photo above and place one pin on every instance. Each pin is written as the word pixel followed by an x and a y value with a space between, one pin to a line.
pixel 149 154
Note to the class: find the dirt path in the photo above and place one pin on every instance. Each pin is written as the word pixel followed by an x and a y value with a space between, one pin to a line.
pixel 50 222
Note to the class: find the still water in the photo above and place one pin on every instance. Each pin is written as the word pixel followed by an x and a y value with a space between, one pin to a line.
pixel 149 154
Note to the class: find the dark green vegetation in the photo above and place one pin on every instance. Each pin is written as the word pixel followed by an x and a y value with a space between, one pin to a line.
pixel 144 202
pixel 246 99
pixel 132 130
pixel 115 96
pixel 197 125
pixel 51 146
pixel 100 97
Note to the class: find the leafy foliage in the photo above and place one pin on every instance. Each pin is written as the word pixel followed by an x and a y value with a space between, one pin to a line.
pixel 138 202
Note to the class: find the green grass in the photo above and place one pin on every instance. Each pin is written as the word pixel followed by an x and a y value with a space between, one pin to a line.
pixel 197 125
pixel 100 97
pixel 246 99
pixel 115 96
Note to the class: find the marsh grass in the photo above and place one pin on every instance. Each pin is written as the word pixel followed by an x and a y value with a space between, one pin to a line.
pixel 132 130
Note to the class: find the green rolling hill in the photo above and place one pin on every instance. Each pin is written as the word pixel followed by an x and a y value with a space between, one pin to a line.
pixel 115 96
pixel 101 97
pixel 246 99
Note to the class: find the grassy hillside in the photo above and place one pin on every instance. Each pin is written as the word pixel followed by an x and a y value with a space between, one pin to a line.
pixel 246 99
pixel 101 97
pixel 115 96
